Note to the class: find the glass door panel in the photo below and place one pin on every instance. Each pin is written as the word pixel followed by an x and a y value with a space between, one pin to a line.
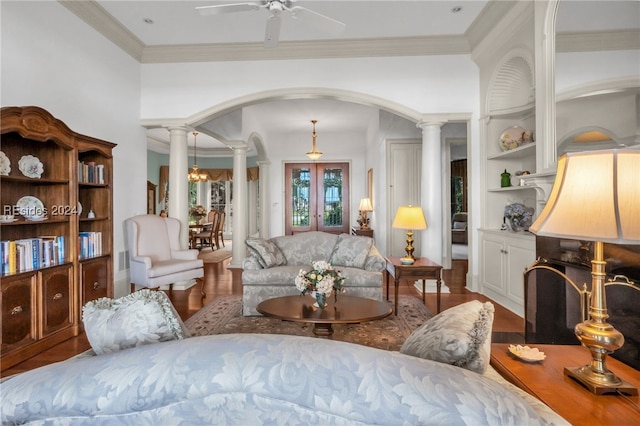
pixel 316 196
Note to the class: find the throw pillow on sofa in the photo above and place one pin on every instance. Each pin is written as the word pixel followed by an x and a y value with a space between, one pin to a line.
pixel 459 336
pixel 351 251
pixel 137 319
pixel 267 252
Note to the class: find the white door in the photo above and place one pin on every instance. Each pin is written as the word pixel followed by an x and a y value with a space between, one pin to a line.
pixel 405 160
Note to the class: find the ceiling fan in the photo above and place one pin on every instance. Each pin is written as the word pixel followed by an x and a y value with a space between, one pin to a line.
pixel 276 8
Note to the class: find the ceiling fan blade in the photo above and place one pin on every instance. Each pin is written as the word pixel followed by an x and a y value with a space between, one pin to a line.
pixel 227 8
pixel 272 33
pixel 322 22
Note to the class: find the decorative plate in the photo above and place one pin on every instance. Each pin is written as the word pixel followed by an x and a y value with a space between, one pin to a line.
pixel 79 208
pixel 526 353
pixel 30 166
pixel 36 218
pixel 30 207
pixel 8 220
pixel 5 164
pixel 513 137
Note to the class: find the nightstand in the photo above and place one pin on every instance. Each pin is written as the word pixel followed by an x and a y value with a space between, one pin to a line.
pixel 362 232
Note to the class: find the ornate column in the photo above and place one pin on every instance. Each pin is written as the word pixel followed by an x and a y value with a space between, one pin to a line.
pixel 252 198
pixel 239 204
pixel 205 197
pixel 178 184
pixel 431 190
pixel 263 189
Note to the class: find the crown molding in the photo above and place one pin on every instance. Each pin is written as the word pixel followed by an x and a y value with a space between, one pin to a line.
pixel 588 41
pixel 102 21
pixel 486 21
pixel 402 46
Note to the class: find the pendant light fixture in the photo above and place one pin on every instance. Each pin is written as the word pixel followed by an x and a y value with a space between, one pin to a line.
pixel 314 154
pixel 194 174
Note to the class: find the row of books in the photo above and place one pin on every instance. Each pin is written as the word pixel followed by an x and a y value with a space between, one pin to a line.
pixel 31 253
pixel 89 244
pixel 90 172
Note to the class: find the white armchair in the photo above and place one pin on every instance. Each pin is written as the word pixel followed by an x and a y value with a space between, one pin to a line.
pixel 155 255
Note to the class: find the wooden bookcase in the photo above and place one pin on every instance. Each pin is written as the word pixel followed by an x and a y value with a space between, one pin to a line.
pixel 42 296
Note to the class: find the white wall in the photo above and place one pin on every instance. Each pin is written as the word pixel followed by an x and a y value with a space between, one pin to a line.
pixel 52 59
pixel 336 147
pixel 429 84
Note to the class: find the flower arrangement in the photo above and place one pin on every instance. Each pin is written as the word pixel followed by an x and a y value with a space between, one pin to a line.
pixel 520 216
pixel 320 282
pixel 197 211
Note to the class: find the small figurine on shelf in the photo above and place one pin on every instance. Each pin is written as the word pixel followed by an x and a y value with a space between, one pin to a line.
pixel 91 214
pixel 163 213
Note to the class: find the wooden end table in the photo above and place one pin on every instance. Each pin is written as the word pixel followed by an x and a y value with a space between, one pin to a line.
pixel 347 310
pixel 546 381
pixel 422 268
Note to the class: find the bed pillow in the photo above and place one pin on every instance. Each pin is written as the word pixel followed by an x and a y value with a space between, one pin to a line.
pixel 267 252
pixel 459 336
pixel 351 251
pixel 140 318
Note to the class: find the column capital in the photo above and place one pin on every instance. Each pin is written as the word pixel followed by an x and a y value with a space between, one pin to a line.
pixel 263 163
pixel 177 127
pixel 237 145
pixel 431 123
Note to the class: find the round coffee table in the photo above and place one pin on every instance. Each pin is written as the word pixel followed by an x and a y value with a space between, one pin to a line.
pixel 347 310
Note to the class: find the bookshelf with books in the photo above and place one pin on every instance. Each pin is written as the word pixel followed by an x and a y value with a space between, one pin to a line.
pixel 45 208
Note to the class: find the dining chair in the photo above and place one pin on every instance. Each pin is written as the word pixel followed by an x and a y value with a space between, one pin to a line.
pixel 205 237
pixel 219 230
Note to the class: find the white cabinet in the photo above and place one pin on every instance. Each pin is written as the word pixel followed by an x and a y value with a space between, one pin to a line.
pixel 505 256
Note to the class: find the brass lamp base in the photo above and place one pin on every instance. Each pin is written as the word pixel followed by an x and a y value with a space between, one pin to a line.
pixel 600 384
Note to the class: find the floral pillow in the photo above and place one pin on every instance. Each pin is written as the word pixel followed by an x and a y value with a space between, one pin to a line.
pixel 137 319
pixel 267 252
pixel 459 336
pixel 351 251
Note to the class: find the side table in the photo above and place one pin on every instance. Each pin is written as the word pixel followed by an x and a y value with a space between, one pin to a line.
pixel 362 232
pixel 422 268
pixel 546 381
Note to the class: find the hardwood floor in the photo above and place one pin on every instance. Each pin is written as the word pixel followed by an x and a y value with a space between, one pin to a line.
pixel 221 281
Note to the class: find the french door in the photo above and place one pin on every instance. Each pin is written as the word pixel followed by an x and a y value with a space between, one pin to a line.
pixel 316 197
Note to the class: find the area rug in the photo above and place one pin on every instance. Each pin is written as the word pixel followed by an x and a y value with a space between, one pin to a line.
pixel 214 256
pixel 223 316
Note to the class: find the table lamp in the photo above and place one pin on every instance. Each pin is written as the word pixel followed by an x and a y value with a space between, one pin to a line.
pixel 596 197
pixel 365 207
pixel 409 218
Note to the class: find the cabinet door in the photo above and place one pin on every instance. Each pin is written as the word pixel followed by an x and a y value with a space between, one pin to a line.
pixel 520 256
pixel 493 259
pixel 57 303
pixel 95 279
pixel 18 309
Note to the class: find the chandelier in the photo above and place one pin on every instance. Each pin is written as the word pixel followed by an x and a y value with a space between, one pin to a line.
pixel 194 174
pixel 314 154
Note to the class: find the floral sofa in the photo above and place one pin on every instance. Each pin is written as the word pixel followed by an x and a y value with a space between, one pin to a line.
pixel 249 379
pixel 144 368
pixel 272 265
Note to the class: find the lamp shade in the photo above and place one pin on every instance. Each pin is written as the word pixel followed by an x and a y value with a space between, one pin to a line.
pixel 595 197
pixel 410 217
pixel 365 205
